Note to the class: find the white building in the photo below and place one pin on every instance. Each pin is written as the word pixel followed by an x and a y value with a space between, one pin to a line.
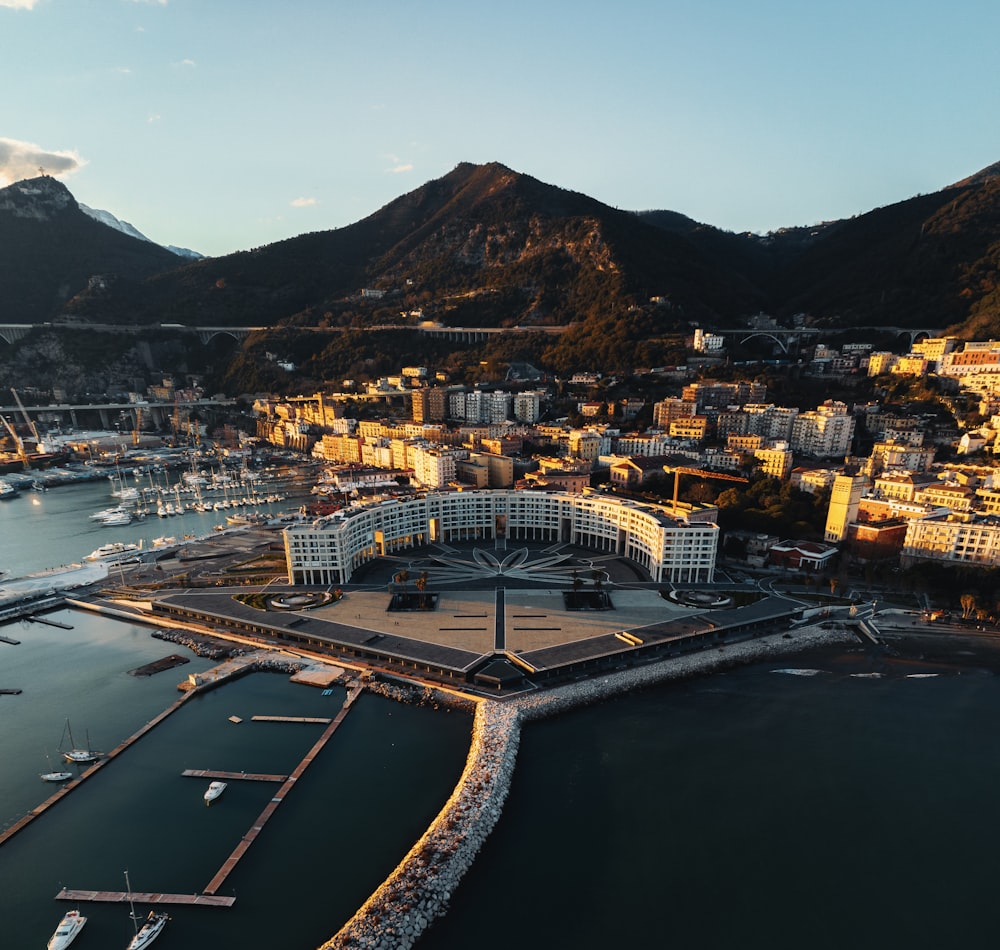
pixel 958 542
pixel 330 549
pixel 825 432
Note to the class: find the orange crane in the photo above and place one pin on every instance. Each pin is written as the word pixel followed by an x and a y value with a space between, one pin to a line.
pixel 679 470
pixel 18 443
pixel 27 419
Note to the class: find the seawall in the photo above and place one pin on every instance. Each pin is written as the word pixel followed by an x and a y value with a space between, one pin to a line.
pixel 420 888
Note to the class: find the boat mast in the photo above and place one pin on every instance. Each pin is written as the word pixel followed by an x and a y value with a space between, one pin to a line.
pixel 131 904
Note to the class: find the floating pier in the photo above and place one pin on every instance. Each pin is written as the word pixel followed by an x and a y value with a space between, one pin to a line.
pixel 234 776
pixel 324 720
pixel 210 897
pixel 121 897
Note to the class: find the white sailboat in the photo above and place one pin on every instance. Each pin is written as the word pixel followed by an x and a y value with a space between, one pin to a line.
pixel 80 756
pixel 152 926
pixel 54 775
pixel 71 924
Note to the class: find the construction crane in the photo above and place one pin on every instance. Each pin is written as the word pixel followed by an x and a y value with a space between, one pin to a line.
pixel 679 470
pixel 18 443
pixel 27 419
pixel 138 424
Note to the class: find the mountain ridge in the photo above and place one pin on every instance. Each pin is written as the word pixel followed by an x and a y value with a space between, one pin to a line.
pixel 488 246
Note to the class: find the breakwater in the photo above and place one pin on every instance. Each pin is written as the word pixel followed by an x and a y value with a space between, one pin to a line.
pixel 419 889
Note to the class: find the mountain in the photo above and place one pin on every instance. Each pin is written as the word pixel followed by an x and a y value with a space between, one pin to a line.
pixel 108 219
pixel 52 249
pixel 488 246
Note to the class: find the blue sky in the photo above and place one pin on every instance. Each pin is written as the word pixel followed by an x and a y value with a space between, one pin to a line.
pixel 222 126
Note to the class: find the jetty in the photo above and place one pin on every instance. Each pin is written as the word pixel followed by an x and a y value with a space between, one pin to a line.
pixel 272 806
pixel 234 776
pixel 121 897
pixel 209 896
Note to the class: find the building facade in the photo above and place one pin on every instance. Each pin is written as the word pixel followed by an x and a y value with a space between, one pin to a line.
pixel 330 549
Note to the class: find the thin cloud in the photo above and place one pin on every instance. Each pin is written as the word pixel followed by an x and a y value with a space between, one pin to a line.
pixel 24 159
pixel 186 64
pixel 397 166
pixel 19 4
pixel 154 117
pixel 303 202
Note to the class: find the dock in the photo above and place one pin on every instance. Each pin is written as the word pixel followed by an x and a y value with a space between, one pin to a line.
pixel 251 836
pixel 234 776
pixel 324 720
pixel 34 618
pixel 121 897
pixel 11 641
pixel 210 896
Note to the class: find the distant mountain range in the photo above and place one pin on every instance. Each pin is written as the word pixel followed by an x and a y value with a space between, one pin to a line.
pixel 487 246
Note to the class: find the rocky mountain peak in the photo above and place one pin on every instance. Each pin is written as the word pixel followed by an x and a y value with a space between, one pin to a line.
pixel 40 199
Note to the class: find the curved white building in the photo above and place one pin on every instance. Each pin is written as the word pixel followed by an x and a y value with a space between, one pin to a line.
pixel 329 550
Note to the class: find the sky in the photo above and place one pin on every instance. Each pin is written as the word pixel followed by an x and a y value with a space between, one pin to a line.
pixel 224 125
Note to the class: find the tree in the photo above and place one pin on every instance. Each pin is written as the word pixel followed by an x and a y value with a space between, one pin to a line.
pixel 968 602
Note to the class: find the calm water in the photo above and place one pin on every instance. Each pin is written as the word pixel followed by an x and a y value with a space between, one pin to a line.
pixel 39 530
pixel 751 809
pixel 357 810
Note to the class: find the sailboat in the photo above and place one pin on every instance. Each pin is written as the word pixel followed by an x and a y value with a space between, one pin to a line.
pixel 150 929
pixel 79 755
pixel 53 775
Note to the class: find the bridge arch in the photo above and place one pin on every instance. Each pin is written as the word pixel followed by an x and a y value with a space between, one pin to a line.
pixel 12 332
pixel 781 343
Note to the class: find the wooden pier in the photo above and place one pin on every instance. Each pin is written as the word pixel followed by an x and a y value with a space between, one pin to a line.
pixel 210 896
pixel 251 836
pixel 121 897
pixel 234 776
pixel 316 719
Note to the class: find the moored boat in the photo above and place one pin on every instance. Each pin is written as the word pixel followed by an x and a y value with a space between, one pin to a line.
pixel 71 924
pixel 214 791
pixel 55 775
pixel 78 755
pixel 114 551
pixel 151 928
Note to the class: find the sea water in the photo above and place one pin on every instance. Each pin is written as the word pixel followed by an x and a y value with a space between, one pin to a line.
pixel 750 809
pixel 754 808
pixel 345 824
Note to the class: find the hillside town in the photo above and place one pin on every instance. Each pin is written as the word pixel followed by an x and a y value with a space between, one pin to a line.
pixel 897 480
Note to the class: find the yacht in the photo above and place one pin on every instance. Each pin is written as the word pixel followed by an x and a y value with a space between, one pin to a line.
pixel 114 551
pixel 117 516
pixel 214 791
pixel 152 926
pixel 71 924
pixel 7 490
pixel 149 931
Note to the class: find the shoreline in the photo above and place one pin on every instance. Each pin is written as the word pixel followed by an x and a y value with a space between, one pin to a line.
pixel 419 889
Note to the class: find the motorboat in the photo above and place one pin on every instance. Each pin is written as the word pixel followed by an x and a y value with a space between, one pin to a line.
pixel 120 516
pixel 7 490
pixel 149 931
pixel 71 924
pixel 214 791
pixel 114 551
pixel 152 926
pixel 77 755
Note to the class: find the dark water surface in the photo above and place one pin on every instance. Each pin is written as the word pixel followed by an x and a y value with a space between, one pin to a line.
pixel 356 811
pixel 750 809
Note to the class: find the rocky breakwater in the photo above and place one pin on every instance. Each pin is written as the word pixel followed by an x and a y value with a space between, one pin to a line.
pixel 419 889
pixel 421 886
